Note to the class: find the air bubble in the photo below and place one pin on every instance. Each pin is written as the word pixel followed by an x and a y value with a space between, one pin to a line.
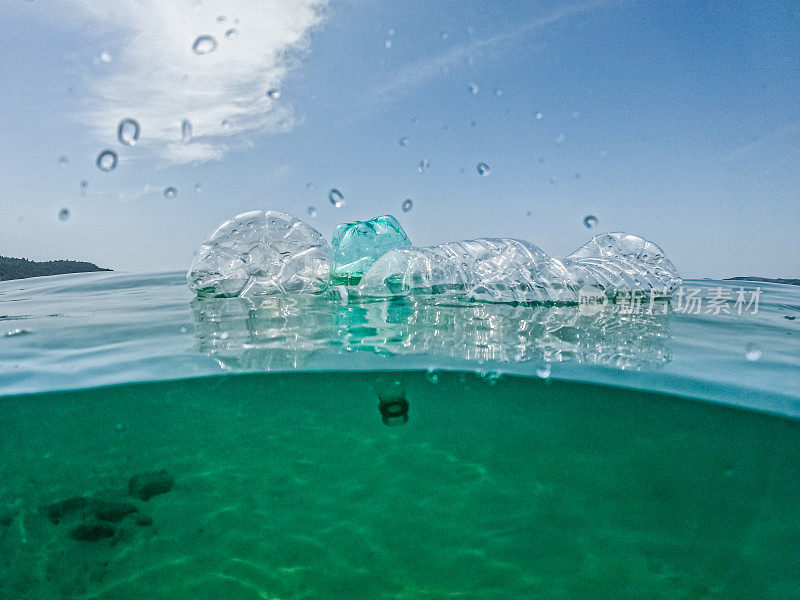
pixel 387 44
pixel 483 169
pixel 538 116
pixel 63 161
pixel 107 160
pixel 186 130
pixel 498 92
pixel 473 88
pixel 560 138
pixel 204 44
pixel 128 132
pixel 543 371
pixel 170 193
pixel 274 93
pixel 403 141
pixel 423 165
pixel 312 212
pixel 336 197
pixel 443 35
pixel 232 34
pixel 590 221
pixel 752 352
pixel 84 185
pixel 407 205
pixel 226 124
pixel 63 214
pixel 198 188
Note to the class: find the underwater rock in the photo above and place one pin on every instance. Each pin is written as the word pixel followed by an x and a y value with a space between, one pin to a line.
pixel 259 252
pixel 515 271
pixel 146 485
pixel 358 244
pixel 58 510
pixel 112 510
pixel 92 532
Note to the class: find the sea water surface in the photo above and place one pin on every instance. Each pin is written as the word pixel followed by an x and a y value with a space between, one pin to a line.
pixel 157 445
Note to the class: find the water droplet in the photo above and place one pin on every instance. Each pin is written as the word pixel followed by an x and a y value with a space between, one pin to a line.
pixel 105 57
pixel 198 188
pixel 590 221
pixel 312 212
pixel 387 44
pixel 128 132
pixel 170 193
pixel 407 205
pixel 423 165
pixel 204 44
pixel 752 352
pixel 390 33
pixel 498 92
pixel 186 130
pixel 107 160
pixel 226 124
pixel 232 34
pixel 403 141
pixel 63 214
pixel 483 169
pixel 473 88
pixel 543 371
pixel 184 329
pixel 16 332
pixel 274 93
pixel 63 161
pixel 538 115
pixel 560 138
pixel 84 185
pixel 443 35
pixel 336 197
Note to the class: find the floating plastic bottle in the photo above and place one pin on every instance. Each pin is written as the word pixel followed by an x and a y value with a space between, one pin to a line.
pixel 509 270
pixel 358 244
pixel 259 252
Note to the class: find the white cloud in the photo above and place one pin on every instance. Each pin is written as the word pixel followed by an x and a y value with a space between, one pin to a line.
pixel 157 79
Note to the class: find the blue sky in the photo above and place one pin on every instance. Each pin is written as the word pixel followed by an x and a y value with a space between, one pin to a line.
pixel 677 121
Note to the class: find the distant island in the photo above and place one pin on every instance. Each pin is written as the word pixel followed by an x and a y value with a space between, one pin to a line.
pixel 22 268
pixel 764 279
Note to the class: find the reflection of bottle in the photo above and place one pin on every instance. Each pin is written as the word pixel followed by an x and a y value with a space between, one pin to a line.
pixel 288 331
pixel 392 402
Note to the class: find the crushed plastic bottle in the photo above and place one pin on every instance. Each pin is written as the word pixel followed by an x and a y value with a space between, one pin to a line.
pixel 509 270
pixel 358 244
pixel 258 253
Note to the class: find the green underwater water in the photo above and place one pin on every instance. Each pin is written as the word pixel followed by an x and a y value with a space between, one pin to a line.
pixel 292 485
